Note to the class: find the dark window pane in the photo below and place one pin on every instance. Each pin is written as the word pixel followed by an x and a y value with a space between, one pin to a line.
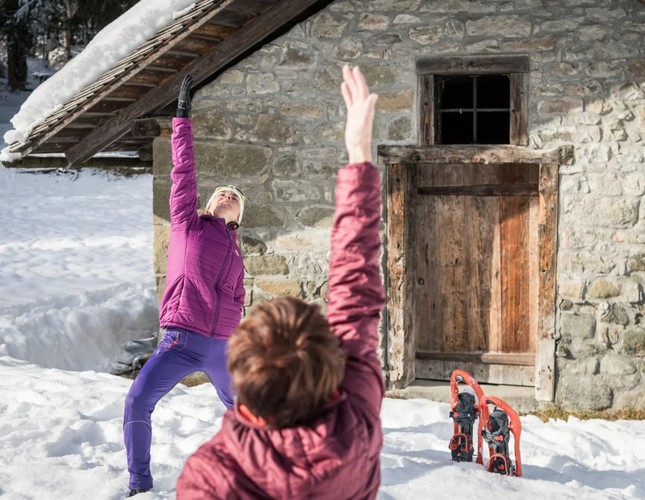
pixel 456 128
pixel 493 127
pixel 454 92
pixel 493 91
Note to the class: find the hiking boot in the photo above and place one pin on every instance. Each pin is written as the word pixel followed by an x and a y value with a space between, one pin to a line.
pixel 136 492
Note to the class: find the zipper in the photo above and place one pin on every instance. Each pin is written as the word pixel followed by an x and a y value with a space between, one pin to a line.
pixel 219 275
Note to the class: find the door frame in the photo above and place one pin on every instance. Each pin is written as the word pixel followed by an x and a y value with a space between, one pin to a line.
pixel 400 162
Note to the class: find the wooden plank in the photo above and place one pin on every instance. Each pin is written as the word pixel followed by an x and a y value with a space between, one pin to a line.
pixel 481 190
pixel 458 275
pixel 519 101
pixel 67 138
pixel 148 76
pixel 425 105
pixel 478 230
pixel 81 125
pixel 514 273
pixel 434 277
pixel 198 45
pixel 548 234
pixel 474 154
pixel 453 284
pixel 498 358
pixel 519 375
pixel 109 106
pixel 533 272
pixel 495 313
pixel 436 174
pixel 215 31
pixel 473 65
pixel 229 17
pixel 201 69
pixel 401 342
pixel 421 239
pixel 175 61
pixel 253 8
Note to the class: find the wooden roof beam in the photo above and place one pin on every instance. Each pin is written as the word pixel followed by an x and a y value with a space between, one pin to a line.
pixel 183 53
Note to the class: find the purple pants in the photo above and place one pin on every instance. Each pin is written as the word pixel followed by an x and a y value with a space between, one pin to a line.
pixel 179 354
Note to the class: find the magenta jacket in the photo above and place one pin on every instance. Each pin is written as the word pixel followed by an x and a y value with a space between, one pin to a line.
pixel 337 457
pixel 205 277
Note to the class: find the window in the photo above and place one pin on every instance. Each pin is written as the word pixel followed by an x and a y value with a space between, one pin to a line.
pixel 472 109
pixel 473 100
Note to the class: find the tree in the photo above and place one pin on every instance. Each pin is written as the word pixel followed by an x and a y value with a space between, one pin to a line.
pixel 34 27
pixel 15 28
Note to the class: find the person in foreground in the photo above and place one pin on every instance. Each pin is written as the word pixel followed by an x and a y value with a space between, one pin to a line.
pixel 306 421
pixel 202 302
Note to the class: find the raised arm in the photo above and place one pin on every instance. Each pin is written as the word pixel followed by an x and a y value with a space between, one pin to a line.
pixel 356 293
pixel 183 194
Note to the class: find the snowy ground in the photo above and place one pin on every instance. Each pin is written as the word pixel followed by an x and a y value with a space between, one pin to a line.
pixel 76 281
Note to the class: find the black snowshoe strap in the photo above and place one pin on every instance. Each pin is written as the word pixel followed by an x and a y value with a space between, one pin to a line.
pixel 496 431
pixel 464 413
pixel 461 448
pixel 496 434
pixel 501 464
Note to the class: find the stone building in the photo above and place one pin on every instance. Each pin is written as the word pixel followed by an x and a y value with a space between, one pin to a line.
pixel 511 140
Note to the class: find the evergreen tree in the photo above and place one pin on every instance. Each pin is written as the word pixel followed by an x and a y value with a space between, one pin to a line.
pixel 18 39
pixel 35 27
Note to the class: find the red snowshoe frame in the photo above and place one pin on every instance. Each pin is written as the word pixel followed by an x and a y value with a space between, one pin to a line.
pixel 481 409
pixel 497 462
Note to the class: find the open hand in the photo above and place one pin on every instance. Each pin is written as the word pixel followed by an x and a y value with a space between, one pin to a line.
pixel 360 115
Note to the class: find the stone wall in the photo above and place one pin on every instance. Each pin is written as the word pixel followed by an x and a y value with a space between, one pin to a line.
pixel 273 125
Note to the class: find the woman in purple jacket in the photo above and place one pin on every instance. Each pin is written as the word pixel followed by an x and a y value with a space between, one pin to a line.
pixel 306 422
pixel 202 303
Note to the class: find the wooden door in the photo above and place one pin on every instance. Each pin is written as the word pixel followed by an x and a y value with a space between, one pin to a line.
pixel 474 270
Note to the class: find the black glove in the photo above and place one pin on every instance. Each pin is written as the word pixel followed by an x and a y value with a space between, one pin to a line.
pixel 183 103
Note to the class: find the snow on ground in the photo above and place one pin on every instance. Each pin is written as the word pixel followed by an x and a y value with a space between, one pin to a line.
pixel 76 282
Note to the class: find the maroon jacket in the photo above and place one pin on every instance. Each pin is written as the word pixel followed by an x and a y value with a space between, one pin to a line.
pixel 338 455
pixel 205 278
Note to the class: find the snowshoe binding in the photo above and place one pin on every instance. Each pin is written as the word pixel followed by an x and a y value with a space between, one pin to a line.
pixel 465 408
pixel 464 415
pixel 502 422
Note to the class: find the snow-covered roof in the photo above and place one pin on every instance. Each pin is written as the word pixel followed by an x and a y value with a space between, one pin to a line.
pixel 133 68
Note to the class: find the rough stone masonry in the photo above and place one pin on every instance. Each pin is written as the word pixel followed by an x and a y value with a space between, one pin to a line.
pixel 273 124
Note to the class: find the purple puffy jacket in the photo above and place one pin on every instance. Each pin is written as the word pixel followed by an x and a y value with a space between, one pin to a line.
pixel 205 277
pixel 338 456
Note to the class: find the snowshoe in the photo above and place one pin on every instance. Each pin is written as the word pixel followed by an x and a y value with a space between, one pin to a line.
pixel 464 415
pixel 465 408
pixel 501 423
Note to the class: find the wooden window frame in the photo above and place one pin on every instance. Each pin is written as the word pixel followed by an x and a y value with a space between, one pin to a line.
pixel 516 67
